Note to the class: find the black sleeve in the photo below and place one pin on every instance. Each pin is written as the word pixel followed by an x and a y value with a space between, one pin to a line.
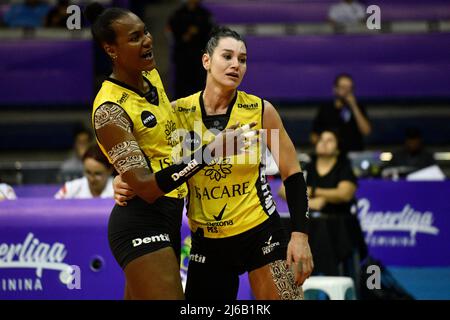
pixel 297 201
pixel 308 174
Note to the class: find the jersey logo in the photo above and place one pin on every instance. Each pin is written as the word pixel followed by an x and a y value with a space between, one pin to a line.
pixel 123 98
pixel 217 171
pixel 187 110
pixel 191 141
pixel 270 246
pixel 171 133
pixel 148 119
pixel 250 106
pixel 220 215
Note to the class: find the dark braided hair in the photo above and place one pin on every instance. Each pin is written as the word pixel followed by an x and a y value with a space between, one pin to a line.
pixel 101 20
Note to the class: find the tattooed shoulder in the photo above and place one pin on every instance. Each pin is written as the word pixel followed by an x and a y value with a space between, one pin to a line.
pixel 111 114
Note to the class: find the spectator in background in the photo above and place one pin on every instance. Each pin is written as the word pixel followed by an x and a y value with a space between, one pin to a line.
pixel 190 25
pixel 30 14
pixel 97 180
pixel 73 166
pixel 413 155
pixel 335 234
pixel 344 114
pixel 330 179
pixel 346 13
pixel 57 16
pixel 7 192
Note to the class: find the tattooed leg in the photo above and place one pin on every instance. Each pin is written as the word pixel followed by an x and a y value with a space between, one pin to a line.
pixel 275 281
pixel 284 280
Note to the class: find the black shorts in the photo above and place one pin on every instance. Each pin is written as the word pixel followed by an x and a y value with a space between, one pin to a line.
pixel 215 264
pixel 141 228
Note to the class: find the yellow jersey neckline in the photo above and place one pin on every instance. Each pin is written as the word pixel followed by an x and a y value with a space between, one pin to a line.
pixel 152 88
pixel 229 108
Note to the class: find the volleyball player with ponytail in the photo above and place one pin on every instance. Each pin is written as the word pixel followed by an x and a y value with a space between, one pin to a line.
pixel 235 227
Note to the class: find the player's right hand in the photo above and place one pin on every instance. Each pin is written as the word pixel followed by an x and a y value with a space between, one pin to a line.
pixel 122 191
pixel 233 140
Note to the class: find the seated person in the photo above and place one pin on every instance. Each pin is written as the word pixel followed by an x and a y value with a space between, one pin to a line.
pixel 97 180
pixel 330 179
pixel 72 167
pixel 335 234
pixel 413 156
pixel 7 192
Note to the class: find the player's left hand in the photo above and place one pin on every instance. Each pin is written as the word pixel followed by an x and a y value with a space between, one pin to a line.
pixel 299 257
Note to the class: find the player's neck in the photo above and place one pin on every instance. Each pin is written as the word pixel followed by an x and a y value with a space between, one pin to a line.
pixel 216 99
pixel 133 79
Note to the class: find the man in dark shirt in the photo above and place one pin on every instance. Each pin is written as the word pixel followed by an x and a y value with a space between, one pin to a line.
pixel 413 156
pixel 344 113
pixel 191 26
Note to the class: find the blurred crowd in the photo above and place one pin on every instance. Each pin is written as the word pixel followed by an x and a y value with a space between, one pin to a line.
pixel 35 14
pixel 189 26
pixel 188 23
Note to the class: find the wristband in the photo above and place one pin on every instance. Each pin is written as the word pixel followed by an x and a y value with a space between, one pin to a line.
pixel 297 200
pixel 174 176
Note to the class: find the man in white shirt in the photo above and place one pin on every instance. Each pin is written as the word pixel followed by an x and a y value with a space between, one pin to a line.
pixel 97 181
pixel 347 12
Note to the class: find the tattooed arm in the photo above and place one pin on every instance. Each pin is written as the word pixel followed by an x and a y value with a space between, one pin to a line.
pixel 114 131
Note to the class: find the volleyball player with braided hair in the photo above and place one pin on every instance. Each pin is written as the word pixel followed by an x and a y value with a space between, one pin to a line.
pixel 136 129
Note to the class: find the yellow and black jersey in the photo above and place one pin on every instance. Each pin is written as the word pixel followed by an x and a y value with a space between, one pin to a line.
pixel 231 195
pixel 154 124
